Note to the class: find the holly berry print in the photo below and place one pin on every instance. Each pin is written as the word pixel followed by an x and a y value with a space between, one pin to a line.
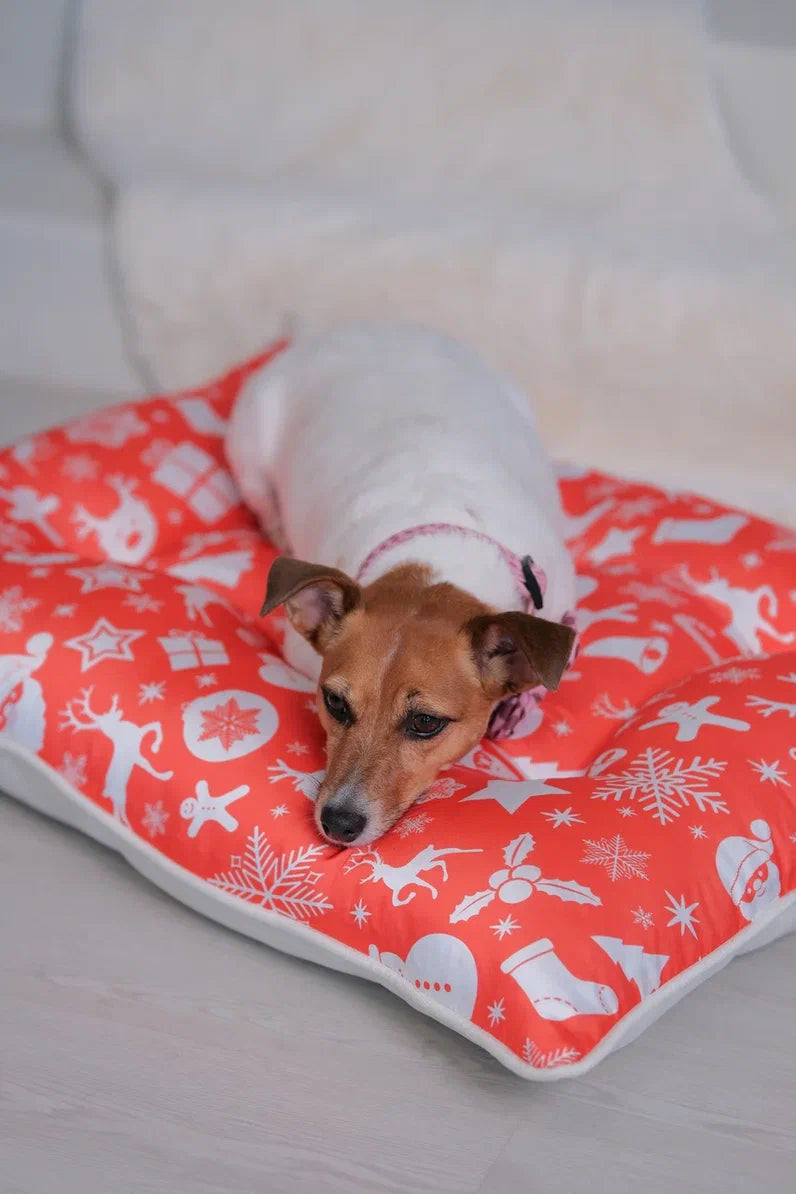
pixel 539 890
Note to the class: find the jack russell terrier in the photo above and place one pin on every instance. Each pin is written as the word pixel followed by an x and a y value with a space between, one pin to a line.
pixel 442 600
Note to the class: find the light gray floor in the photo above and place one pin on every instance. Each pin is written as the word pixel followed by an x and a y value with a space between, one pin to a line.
pixel 144 1049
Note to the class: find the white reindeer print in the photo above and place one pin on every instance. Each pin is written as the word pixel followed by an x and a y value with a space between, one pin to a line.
pixel 306 782
pixel 747 620
pixel 128 534
pixel 197 598
pixel 127 739
pixel 398 878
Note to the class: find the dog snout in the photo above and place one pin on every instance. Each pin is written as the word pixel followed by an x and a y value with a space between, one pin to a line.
pixel 343 821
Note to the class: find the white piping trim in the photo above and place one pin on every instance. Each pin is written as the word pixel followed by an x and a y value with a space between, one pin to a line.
pixel 30 780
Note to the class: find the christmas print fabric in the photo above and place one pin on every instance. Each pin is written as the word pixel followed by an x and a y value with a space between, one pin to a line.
pixel 541 891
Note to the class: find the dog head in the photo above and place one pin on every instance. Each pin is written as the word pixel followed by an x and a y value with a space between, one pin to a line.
pixel 411 671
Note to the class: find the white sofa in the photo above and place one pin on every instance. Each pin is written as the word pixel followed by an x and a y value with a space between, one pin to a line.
pixel 554 183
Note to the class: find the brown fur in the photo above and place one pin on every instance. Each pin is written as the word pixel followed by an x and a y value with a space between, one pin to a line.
pixel 406 643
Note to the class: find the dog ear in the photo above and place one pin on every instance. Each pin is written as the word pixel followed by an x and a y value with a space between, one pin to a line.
pixel 316 598
pixel 515 651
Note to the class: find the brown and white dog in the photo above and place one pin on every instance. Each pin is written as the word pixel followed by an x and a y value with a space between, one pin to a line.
pixel 416 476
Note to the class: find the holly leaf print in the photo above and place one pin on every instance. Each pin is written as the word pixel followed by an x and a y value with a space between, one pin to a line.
pixel 518 850
pixel 568 890
pixel 471 905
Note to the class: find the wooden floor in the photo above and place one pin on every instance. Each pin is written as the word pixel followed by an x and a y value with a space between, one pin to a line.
pixel 144 1049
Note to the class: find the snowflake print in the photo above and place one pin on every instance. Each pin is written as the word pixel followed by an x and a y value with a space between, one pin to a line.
pixel 540 1060
pixel 64 611
pixel 563 816
pixel 142 603
pixel 206 680
pixel 153 691
pixel 626 811
pixel 229 723
pixel 682 915
pixel 13 607
pixel 281 883
pixel 504 927
pixel 154 819
pixel 771 772
pixel 80 467
pixel 279 810
pixel 441 789
pixel 752 559
pixel 298 748
pixel 414 824
pixel 619 861
pixel 642 918
pixel 561 728
pixel 154 454
pixel 73 769
pixel 497 1012
pixel 697 832
pixel 360 913
pixel 733 674
pixel 663 785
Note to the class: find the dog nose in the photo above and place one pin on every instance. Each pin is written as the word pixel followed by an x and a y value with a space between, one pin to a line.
pixel 342 822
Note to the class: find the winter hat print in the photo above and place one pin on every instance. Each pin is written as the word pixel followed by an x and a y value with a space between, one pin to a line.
pixel 737 858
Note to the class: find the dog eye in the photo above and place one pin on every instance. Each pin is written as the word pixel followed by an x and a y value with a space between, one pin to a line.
pixel 424 725
pixel 338 707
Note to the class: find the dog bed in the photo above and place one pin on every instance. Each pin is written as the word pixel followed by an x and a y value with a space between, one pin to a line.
pixel 548 897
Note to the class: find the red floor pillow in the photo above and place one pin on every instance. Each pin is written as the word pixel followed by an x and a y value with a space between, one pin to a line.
pixel 548 897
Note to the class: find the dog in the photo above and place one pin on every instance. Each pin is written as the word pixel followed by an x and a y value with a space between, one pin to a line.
pixel 416 480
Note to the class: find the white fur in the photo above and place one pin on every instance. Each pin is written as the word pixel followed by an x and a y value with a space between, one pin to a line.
pixel 372 429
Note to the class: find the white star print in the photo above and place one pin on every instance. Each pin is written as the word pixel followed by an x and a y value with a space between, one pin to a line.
pixel 771 772
pixel 512 794
pixel 360 913
pixel 626 811
pixel 64 611
pixel 497 1012
pixel 279 810
pixel 152 691
pixel 751 560
pixel 104 641
pixel 562 728
pixel 206 680
pixel 504 927
pixel 563 816
pixel 682 915
pixel 108 576
pixel 697 831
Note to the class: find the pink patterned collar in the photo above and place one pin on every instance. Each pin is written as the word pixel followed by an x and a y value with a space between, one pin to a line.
pixel 531 584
